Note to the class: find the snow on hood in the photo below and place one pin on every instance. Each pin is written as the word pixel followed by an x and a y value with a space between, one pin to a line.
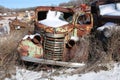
pixel 53 20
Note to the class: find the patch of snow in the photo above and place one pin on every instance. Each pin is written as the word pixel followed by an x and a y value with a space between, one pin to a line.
pixel 30 36
pixel 22 74
pixel 113 74
pixel 115 13
pixel 75 38
pixel 118 6
pixel 108 25
pixel 108 29
pixel 17 27
pixel 53 20
pixel 107 8
pixel 12 18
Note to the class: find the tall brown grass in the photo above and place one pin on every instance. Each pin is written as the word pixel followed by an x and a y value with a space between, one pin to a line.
pixel 8 53
pixel 102 53
pixel 114 45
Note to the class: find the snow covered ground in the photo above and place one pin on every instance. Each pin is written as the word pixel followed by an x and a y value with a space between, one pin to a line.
pixel 23 74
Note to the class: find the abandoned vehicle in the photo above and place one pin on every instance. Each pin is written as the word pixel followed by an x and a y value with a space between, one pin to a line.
pixel 105 11
pixel 60 29
pixel 17 24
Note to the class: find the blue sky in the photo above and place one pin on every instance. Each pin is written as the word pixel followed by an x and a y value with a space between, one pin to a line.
pixel 29 3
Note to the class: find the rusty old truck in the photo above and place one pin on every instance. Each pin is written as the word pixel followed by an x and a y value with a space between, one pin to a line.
pixel 61 28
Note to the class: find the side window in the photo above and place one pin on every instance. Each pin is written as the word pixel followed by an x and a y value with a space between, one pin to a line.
pixel 42 15
pixel 84 19
pixel 68 17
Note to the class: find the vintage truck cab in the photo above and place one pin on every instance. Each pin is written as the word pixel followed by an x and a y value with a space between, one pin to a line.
pixel 67 15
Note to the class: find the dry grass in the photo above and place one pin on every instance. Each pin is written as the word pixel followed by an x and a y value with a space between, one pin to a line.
pixel 114 45
pixel 82 49
pixel 99 55
pixel 8 54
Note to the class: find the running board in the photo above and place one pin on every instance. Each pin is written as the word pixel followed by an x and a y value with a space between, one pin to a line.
pixel 52 62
